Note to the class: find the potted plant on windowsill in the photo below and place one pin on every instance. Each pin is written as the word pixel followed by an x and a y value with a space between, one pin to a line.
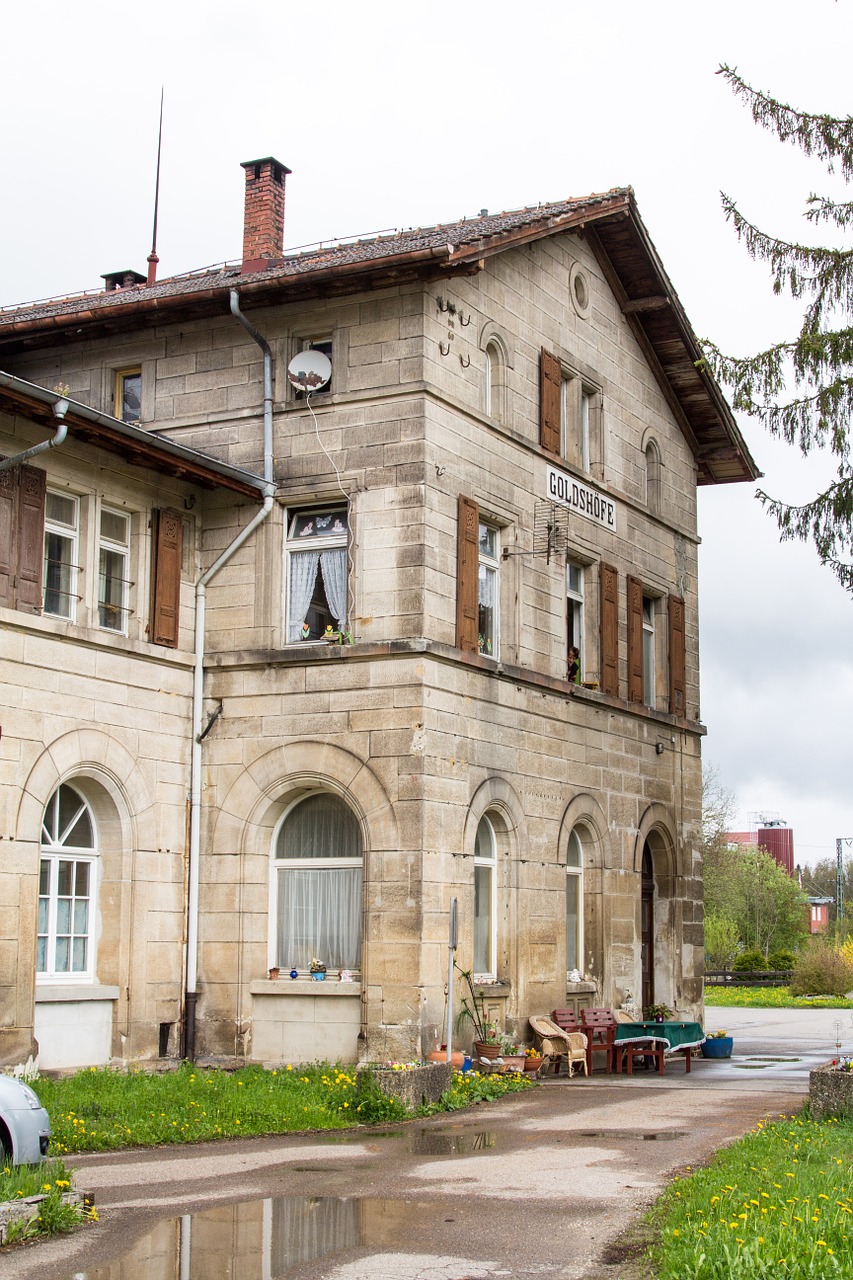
pixel 317 970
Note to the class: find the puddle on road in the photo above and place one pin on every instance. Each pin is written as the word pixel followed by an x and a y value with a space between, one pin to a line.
pixel 431 1142
pixel 273 1238
pixel 661 1135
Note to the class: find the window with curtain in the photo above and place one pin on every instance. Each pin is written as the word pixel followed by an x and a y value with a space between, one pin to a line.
pixel 66 888
pixel 485 873
pixel 317 867
pixel 574 904
pixel 317 573
pixel 488 595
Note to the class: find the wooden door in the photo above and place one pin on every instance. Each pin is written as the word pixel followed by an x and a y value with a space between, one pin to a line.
pixel 647 929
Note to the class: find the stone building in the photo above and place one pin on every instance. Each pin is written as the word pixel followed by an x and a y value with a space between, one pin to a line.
pixel 199 786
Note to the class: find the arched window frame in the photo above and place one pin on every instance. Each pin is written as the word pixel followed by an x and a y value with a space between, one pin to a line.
pixel 497 361
pixel 574 902
pixel 286 955
pixel 485 900
pixel 68 883
pixel 651 475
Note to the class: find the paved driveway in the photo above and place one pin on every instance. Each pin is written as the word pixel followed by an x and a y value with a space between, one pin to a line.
pixel 533 1186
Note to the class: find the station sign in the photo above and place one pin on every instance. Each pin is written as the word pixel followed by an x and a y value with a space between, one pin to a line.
pixel 580 498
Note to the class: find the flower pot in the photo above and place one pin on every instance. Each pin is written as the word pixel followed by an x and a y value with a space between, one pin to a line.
pixel 318 977
pixel 717 1047
pixel 457 1057
pixel 274 972
pixel 513 1062
pixel 490 1051
pixel 532 1064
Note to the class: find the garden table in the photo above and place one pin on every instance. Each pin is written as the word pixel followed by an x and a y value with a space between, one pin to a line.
pixel 658 1037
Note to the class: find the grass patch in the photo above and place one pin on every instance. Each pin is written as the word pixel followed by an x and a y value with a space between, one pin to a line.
pixel 731 997
pixel 99 1109
pixel 777 1203
pixel 50 1179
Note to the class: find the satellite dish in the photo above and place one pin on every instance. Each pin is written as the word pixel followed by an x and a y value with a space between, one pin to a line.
pixel 309 370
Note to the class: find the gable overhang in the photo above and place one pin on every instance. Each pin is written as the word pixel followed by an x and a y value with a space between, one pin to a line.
pixel 137 447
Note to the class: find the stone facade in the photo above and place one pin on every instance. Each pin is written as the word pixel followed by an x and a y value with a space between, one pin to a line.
pixel 435 396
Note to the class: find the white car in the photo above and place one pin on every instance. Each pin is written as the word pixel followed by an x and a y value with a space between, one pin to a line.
pixel 24 1123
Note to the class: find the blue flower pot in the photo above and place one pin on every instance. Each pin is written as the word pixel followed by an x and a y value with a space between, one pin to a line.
pixel 718 1047
pixel 318 977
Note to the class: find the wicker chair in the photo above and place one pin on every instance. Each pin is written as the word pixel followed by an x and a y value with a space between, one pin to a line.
pixel 556 1044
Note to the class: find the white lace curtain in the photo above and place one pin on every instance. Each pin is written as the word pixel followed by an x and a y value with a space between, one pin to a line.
pixel 303 579
pixel 319 914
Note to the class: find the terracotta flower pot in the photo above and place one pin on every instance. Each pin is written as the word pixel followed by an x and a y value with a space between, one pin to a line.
pixel 490 1051
pixel 532 1064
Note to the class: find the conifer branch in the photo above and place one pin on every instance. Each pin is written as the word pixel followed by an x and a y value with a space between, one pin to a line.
pixel 822 209
pixel 828 138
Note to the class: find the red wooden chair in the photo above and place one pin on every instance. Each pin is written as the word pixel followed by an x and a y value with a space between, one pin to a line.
pixel 599 1027
pixel 567 1019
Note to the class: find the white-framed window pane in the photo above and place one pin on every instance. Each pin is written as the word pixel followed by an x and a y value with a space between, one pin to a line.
pixel 317 574
pixel 586 403
pixel 648 651
pixel 574 614
pixel 318 885
pixel 572 920
pixel 488 589
pixel 65 886
pixel 114 559
pixel 483 914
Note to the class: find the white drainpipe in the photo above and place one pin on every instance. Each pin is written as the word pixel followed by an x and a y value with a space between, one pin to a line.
pixel 60 408
pixel 191 991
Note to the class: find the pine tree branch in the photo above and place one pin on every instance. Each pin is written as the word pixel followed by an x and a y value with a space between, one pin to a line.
pixel 807 270
pixel 829 138
pixel 827 520
pixel 823 209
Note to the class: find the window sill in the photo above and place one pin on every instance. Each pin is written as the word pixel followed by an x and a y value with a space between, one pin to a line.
pixel 303 987
pixel 73 993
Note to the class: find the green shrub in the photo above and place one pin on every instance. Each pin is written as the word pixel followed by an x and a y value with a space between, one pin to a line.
pixel 820 970
pixel 721 940
pixel 781 960
pixel 749 962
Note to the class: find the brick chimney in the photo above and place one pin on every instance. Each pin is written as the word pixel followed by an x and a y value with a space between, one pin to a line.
pixel 263 220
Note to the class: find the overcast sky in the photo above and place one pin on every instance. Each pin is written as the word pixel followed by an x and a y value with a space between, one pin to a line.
pixel 396 115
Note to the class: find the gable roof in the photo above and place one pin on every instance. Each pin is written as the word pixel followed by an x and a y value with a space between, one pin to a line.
pixel 609 220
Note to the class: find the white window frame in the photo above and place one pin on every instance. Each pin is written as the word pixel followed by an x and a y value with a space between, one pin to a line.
pixel 577 407
pixel 122 376
pixel 488 570
pixel 294 544
pixel 574 873
pixel 486 863
pixel 54 851
pixel 121 550
pixel 649 666
pixel 69 534
pixel 283 865
pixel 575 611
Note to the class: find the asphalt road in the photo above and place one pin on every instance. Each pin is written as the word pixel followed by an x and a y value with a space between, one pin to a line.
pixel 533 1186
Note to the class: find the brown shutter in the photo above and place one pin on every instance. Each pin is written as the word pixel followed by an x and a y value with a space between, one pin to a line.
pixel 467 574
pixel 635 640
pixel 550 389
pixel 165 577
pixel 8 533
pixel 609 636
pixel 677 666
pixel 31 501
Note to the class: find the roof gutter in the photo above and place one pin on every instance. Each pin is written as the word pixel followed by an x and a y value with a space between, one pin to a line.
pixel 192 904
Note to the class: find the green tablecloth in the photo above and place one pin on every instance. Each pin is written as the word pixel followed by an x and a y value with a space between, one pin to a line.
pixel 675 1035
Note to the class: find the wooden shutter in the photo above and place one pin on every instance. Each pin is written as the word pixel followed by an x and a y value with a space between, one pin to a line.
pixel 8 534
pixel 550 395
pixel 635 640
pixel 467 574
pixel 31 502
pixel 165 577
pixel 609 633
pixel 677 660
pixel 22 499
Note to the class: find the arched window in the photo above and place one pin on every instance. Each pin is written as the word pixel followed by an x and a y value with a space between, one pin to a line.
pixel 67 878
pixel 652 476
pixel 485 915
pixel 574 904
pixel 317 869
pixel 495 380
